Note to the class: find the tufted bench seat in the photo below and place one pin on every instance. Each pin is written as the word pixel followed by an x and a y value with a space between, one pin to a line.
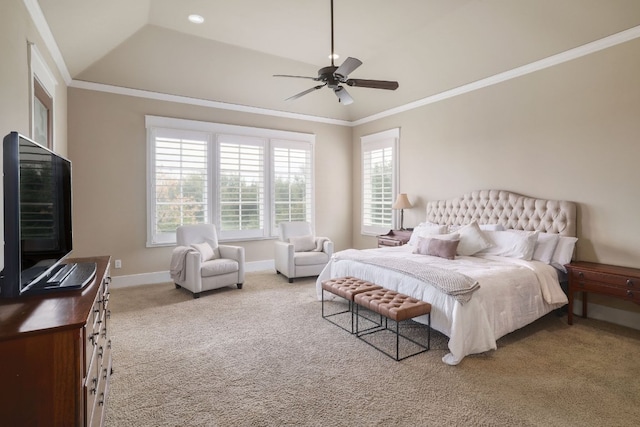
pixel 395 306
pixel 347 288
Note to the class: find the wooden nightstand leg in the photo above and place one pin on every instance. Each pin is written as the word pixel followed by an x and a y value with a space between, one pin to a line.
pixel 570 307
pixel 584 305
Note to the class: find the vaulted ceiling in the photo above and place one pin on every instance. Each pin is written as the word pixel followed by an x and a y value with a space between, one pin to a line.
pixel 428 46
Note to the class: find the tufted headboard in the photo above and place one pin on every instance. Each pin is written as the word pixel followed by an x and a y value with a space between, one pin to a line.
pixel 512 210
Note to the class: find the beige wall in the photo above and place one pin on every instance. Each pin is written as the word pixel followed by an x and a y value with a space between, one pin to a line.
pixel 107 144
pixel 16 29
pixel 569 132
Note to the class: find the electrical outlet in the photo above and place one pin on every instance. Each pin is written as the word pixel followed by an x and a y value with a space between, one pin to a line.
pixel 118 263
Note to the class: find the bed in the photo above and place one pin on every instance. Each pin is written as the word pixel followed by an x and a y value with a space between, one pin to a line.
pixel 508 286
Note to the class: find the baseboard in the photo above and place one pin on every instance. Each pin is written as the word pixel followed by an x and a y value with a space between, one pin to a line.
pixel 164 277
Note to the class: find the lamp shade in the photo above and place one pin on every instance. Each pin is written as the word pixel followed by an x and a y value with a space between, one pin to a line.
pixel 402 202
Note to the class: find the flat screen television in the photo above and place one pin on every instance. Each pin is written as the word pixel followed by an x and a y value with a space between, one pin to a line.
pixel 37 221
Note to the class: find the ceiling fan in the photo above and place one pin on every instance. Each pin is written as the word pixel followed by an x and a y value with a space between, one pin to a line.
pixel 334 77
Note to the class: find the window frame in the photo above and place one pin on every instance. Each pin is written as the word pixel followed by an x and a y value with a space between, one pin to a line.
pixel 378 141
pixel 156 238
pixel 277 143
pixel 272 138
pixel 42 89
pixel 235 139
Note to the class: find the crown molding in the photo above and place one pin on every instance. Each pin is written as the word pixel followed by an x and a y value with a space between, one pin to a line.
pixel 119 90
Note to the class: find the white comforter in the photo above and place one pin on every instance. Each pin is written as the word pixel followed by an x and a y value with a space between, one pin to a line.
pixel 512 294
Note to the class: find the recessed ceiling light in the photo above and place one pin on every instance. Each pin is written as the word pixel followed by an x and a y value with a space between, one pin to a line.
pixel 196 19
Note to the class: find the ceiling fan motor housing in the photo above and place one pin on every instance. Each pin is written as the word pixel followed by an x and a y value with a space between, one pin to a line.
pixel 327 74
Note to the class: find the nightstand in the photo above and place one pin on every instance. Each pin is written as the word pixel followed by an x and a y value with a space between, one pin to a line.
pixel 394 238
pixel 612 280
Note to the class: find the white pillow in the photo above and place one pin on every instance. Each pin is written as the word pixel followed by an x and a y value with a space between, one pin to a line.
pixel 472 239
pixel 425 229
pixel 545 247
pixel 214 246
pixel 564 252
pixel 512 244
pixel 303 243
pixel 205 249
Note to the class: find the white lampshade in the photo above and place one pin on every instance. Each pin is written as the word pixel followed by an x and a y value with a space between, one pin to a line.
pixel 402 202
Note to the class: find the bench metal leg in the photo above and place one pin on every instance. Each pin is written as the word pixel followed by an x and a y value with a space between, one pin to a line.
pixel 352 310
pixel 423 348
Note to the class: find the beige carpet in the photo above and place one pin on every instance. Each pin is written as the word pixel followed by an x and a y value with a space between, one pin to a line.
pixel 263 356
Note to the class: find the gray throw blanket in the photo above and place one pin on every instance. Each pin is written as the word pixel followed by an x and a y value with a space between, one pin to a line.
pixel 177 268
pixel 450 282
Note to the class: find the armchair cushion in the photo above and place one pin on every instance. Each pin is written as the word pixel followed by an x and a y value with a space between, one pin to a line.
pixel 303 243
pixel 310 258
pixel 216 267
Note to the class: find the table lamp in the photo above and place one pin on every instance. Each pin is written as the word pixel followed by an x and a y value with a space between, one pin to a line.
pixel 402 203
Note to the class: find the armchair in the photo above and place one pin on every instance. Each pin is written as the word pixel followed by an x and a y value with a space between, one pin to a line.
pixel 299 253
pixel 200 264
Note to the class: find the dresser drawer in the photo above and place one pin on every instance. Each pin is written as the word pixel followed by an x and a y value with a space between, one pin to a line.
pixel 613 290
pixel 606 278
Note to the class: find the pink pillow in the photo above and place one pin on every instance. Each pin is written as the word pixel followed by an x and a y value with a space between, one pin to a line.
pixel 436 247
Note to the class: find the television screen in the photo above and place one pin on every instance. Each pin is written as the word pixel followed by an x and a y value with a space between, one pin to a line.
pixel 37 213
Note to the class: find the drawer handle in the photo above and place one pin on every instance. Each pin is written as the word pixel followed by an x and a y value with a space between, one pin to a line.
pixel 630 294
pixel 581 274
pixel 629 282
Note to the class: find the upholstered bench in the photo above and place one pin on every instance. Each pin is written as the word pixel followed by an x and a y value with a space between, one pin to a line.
pixel 395 306
pixel 347 288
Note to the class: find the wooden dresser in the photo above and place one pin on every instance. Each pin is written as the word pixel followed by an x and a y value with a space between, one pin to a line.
pixel 55 355
pixel 612 280
pixel 394 238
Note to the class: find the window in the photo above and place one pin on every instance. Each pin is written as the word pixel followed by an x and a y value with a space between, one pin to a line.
pixel 379 181
pixel 244 180
pixel 241 182
pixel 291 183
pixel 42 115
pixel 179 182
pixel 43 86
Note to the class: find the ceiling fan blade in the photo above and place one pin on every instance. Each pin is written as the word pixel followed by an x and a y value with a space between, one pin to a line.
pixel 297 77
pixel 348 66
pixel 375 84
pixel 303 93
pixel 343 95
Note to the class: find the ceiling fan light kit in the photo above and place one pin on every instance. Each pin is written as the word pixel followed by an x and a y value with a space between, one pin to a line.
pixel 335 77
